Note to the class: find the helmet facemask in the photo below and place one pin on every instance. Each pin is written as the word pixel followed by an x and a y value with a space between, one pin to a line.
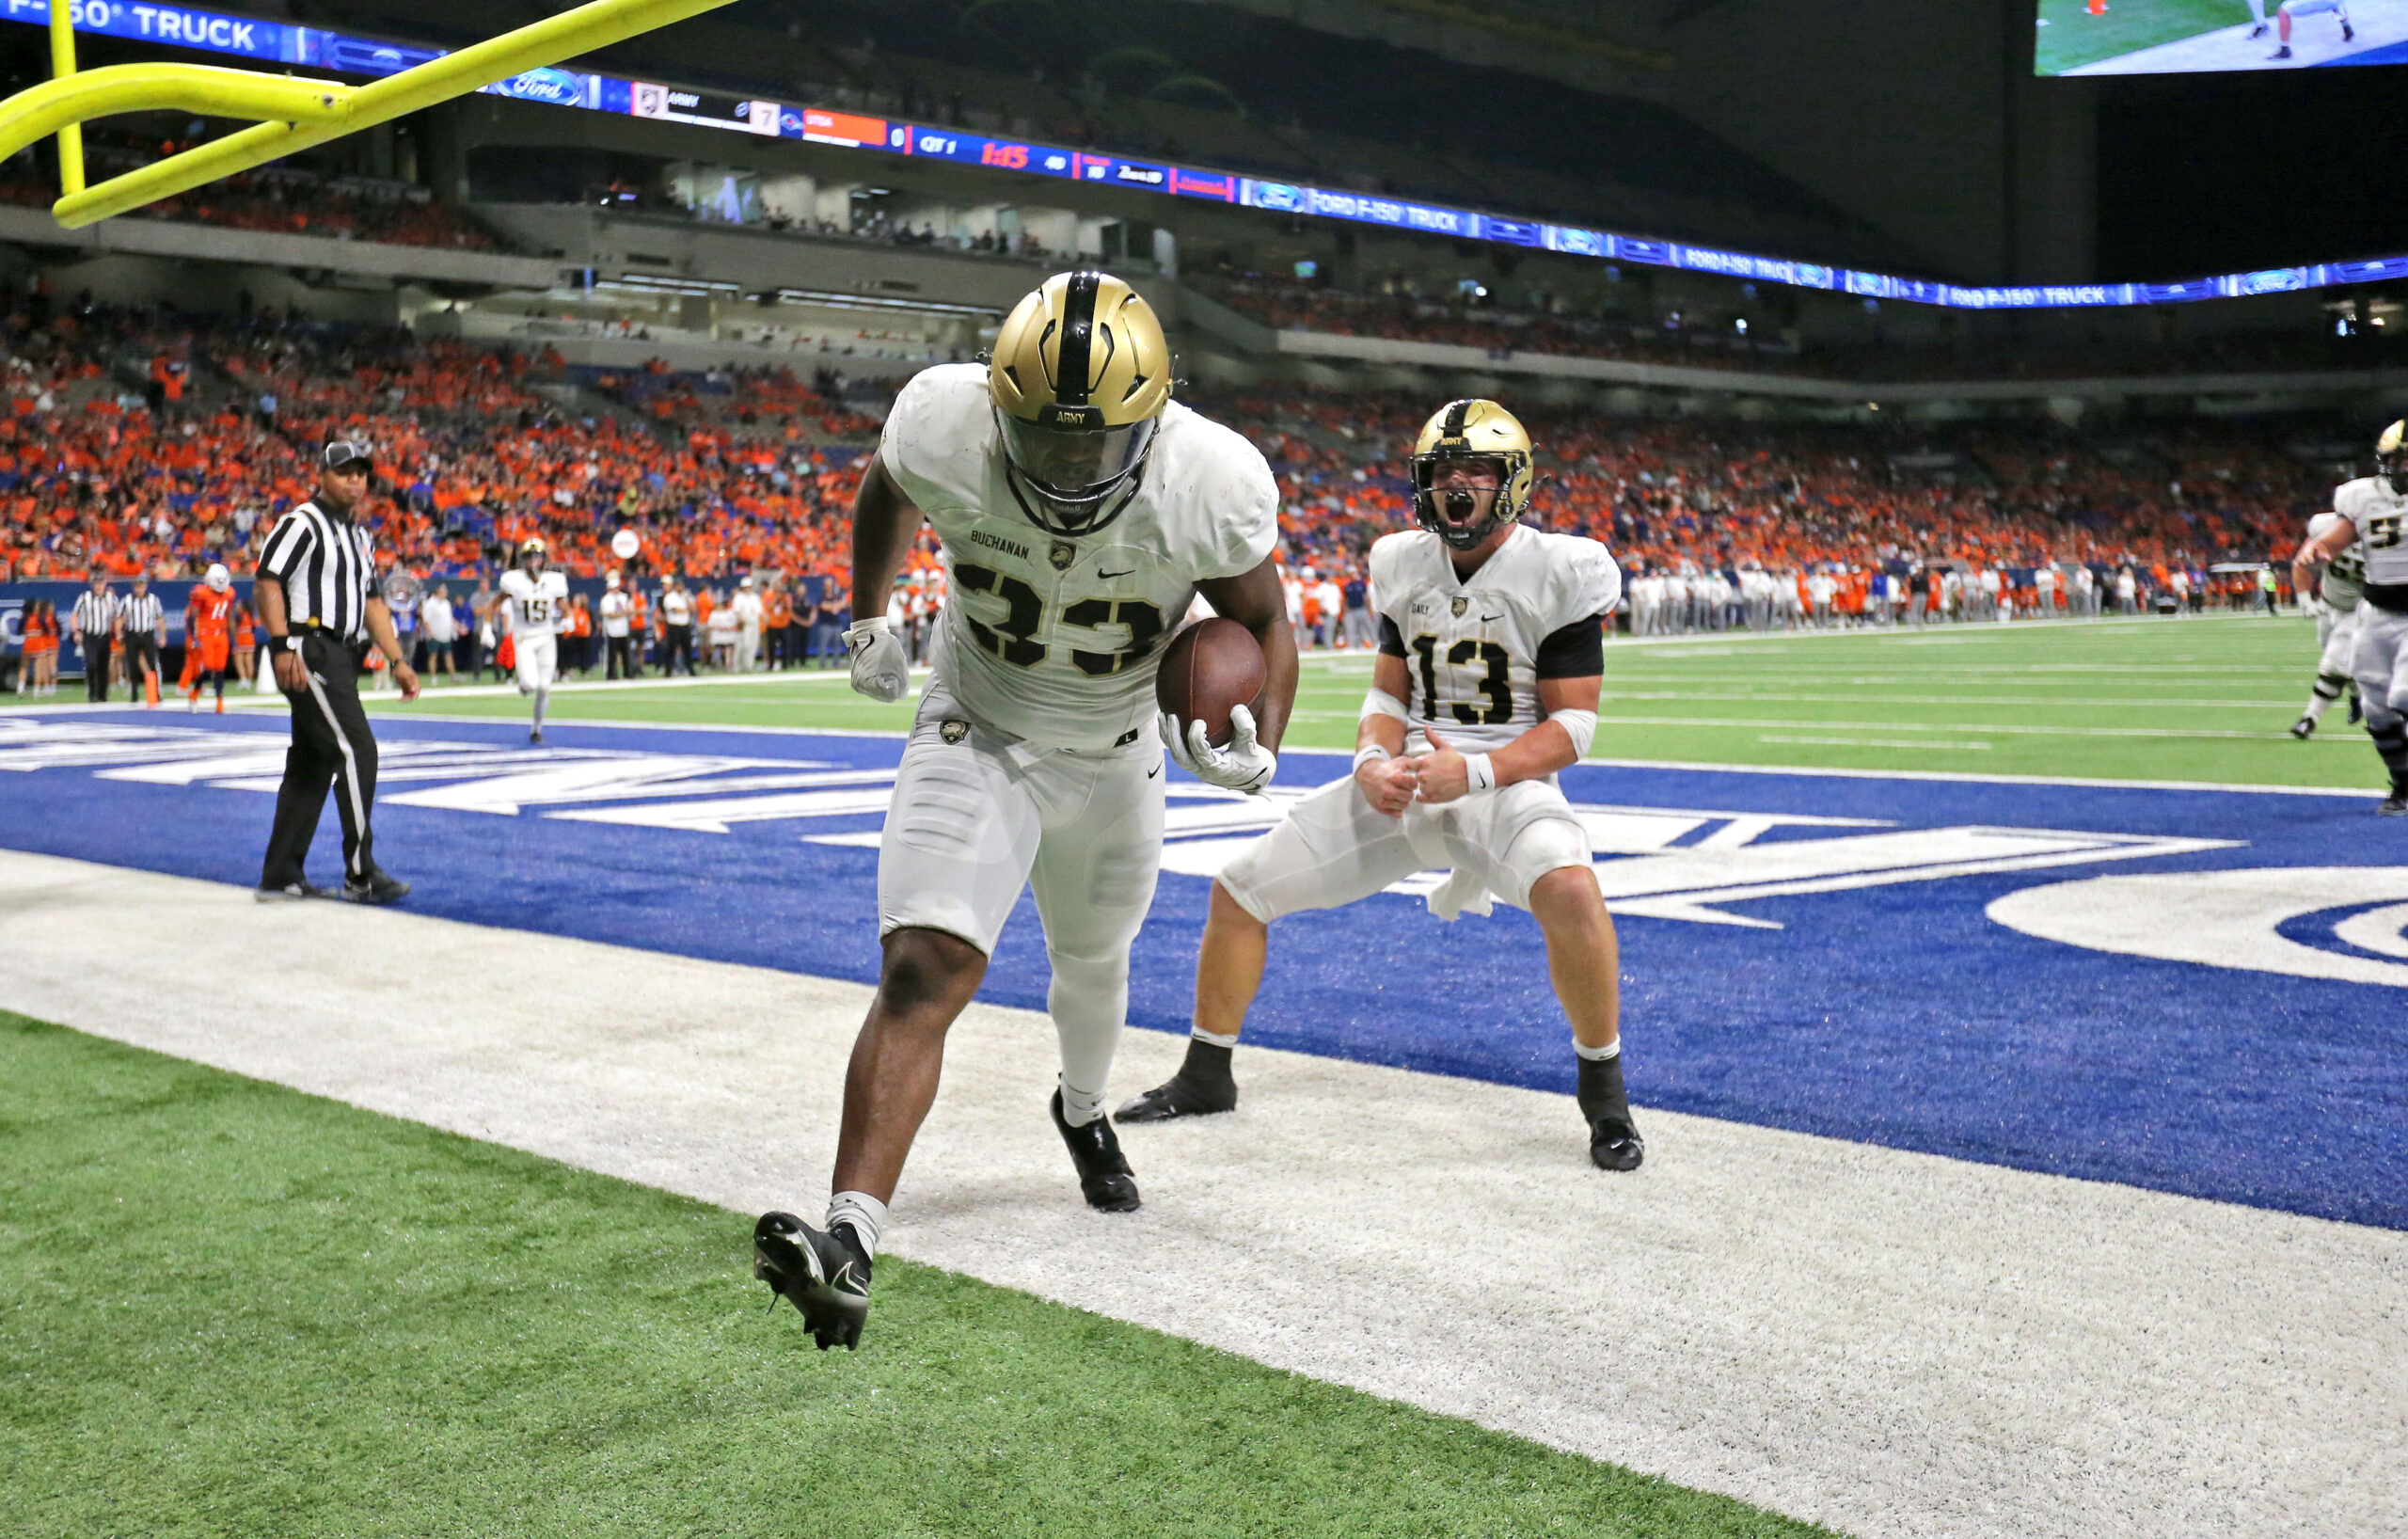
pixel 1450 506
pixel 1074 480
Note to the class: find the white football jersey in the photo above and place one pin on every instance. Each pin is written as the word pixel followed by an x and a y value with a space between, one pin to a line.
pixel 538 605
pixel 1471 647
pixel 2345 573
pixel 1056 640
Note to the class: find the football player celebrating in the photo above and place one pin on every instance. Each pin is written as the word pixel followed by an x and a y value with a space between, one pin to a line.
pixel 1492 652
pixel 1081 510
pixel 2373 516
pixel 2343 578
pixel 536 599
pixel 209 636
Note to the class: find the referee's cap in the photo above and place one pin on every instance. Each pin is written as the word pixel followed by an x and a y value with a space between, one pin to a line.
pixel 342 454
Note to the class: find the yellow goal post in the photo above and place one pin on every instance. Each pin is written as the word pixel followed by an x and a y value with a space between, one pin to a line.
pixel 289 113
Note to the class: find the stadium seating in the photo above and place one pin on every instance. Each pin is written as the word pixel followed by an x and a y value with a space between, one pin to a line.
pixel 729 471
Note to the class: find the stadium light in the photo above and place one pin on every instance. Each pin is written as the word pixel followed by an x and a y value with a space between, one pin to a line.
pixel 289 113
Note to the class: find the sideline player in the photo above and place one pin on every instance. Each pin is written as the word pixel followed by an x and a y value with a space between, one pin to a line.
pixel 1081 510
pixel 209 639
pixel 2373 515
pixel 2342 580
pixel 536 601
pixel 1493 633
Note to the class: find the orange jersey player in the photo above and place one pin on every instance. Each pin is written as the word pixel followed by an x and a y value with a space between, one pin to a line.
pixel 209 639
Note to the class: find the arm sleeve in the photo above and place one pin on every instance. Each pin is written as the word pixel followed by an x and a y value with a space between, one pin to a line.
pixel 1575 651
pixel 1392 643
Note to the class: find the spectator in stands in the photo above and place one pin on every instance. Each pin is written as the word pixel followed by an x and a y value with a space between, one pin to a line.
pixel 439 633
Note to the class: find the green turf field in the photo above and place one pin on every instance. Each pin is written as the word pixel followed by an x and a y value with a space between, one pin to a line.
pixel 2074 37
pixel 236 1310
pixel 2206 699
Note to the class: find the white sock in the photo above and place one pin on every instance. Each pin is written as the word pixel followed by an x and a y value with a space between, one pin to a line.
pixel 1080 1107
pixel 1599 1055
pixel 864 1213
pixel 543 698
pixel 1217 1039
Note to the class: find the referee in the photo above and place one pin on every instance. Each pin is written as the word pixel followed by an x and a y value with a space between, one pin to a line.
pixel 95 621
pixel 317 600
pixel 143 623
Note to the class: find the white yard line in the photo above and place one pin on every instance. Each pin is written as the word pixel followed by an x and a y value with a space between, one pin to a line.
pixel 1894 1343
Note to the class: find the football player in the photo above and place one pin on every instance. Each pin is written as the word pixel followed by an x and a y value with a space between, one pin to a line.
pixel 2336 620
pixel 1492 652
pixel 535 602
pixel 1081 509
pixel 209 639
pixel 2283 14
pixel 2373 516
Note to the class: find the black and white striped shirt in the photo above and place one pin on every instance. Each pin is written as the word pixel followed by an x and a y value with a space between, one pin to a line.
pixel 141 614
pixel 327 566
pixel 94 612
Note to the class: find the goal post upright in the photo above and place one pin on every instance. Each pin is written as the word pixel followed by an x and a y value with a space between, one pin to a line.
pixel 289 113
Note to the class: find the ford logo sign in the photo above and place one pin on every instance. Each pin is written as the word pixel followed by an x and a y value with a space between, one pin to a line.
pixel 1278 195
pixel 559 87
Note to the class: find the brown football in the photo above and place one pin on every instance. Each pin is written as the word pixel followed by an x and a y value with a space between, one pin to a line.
pixel 1208 667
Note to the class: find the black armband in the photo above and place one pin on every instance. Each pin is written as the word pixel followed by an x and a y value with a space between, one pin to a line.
pixel 1577 651
pixel 1391 639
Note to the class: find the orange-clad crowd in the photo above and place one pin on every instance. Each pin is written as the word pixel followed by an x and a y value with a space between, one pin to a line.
pixel 137 443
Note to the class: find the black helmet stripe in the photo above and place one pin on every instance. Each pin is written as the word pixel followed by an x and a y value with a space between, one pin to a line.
pixel 1456 412
pixel 1072 386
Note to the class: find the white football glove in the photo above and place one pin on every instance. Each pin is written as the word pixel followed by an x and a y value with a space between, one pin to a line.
pixel 881 670
pixel 1246 765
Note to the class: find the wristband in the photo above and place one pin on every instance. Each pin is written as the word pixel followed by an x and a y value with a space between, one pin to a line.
pixel 1479 771
pixel 1371 754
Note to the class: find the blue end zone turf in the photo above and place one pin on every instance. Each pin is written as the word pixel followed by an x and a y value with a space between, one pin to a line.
pixel 1804 951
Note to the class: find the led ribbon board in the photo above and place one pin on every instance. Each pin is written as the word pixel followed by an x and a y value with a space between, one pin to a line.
pixel 348 54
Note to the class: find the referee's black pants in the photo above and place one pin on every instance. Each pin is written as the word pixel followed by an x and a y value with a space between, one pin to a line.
pixel 96 671
pixel 622 658
pixel 331 747
pixel 141 660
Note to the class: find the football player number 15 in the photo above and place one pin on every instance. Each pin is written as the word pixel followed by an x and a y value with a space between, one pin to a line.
pixel 1014 637
pixel 1498 686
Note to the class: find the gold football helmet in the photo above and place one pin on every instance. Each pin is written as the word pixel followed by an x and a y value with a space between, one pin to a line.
pixel 1080 376
pixel 1463 430
pixel 533 546
pixel 2391 456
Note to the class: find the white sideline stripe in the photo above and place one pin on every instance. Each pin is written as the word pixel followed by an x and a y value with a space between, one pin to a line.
pixel 1893 1344
pixel 1965 777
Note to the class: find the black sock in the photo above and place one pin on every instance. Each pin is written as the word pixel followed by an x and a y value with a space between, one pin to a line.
pixel 2391 742
pixel 1208 1066
pixel 1601 1094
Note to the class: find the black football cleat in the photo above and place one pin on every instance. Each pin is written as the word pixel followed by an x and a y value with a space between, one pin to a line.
pixel 1104 1176
pixel 535 737
pixel 1614 1144
pixel 824 1276
pixel 2284 52
pixel 2348 33
pixel 1202 1086
pixel 374 888
pixel 2257 32
pixel 2304 728
pixel 2394 805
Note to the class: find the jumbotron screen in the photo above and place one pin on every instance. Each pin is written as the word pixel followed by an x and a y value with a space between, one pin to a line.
pixel 2190 37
